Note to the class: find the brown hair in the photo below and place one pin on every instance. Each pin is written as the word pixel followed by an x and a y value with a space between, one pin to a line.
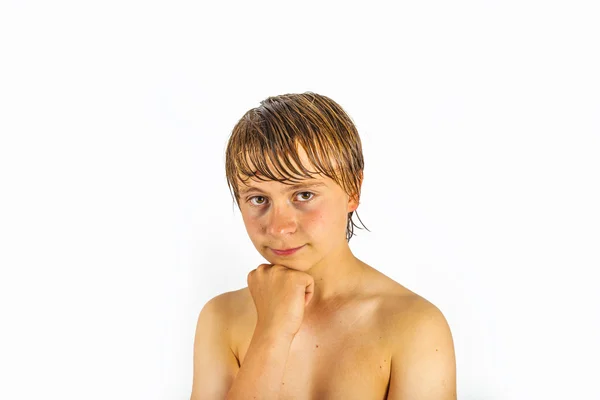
pixel 273 130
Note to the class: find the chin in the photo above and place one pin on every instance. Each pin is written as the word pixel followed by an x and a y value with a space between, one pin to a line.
pixel 297 265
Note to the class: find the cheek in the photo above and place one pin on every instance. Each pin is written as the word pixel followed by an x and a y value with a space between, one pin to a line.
pixel 251 222
pixel 254 224
pixel 319 221
pixel 315 221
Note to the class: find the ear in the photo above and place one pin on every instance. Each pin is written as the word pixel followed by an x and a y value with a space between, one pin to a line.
pixel 352 204
pixel 354 201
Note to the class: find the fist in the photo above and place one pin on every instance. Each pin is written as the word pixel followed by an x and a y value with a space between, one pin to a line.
pixel 280 295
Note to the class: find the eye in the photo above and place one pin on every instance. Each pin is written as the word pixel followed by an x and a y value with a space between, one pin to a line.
pixel 256 197
pixel 260 200
pixel 309 193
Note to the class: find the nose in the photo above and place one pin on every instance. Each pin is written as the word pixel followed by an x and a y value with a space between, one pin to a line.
pixel 281 220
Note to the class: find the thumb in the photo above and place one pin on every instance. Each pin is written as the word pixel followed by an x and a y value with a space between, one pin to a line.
pixel 307 298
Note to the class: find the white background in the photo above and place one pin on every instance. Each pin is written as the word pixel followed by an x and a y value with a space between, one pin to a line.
pixel 480 123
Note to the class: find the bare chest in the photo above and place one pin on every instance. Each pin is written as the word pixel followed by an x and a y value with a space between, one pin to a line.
pixel 344 355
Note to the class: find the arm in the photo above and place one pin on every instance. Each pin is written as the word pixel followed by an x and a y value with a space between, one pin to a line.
pixel 423 359
pixel 215 365
pixel 216 372
pixel 261 373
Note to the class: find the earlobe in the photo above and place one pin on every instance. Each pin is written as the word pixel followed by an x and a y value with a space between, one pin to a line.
pixel 353 204
pixel 354 200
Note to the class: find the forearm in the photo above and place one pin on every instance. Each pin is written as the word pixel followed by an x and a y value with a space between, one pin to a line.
pixel 261 373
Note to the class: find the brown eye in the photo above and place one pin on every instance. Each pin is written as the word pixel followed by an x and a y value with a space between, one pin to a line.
pixel 256 197
pixel 311 195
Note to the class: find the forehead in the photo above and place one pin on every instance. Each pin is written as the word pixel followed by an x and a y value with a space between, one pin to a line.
pixel 289 175
pixel 253 186
pixel 283 162
pixel 261 181
pixel 290 182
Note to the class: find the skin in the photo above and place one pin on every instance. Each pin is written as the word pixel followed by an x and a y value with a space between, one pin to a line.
pixel 277 217
pixel 363 335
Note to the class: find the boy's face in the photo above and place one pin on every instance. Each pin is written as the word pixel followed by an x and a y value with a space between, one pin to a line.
pixel 280 217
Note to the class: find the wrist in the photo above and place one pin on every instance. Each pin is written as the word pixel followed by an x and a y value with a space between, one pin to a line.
pixel 273 334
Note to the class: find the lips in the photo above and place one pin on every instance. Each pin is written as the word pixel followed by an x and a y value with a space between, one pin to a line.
pixel 286 252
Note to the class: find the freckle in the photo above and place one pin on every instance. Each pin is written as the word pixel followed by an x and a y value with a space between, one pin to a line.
pixel 436 349
pixel 317 346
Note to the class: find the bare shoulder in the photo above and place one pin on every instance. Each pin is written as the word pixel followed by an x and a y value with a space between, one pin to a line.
pixel 409 317
pixel 406 308
pixel 223 310
pixel 215 363
pixel 229 304
pixel 220 303
pixel 423 363
pixel 237 307
pixel 402 307
pixel 241 302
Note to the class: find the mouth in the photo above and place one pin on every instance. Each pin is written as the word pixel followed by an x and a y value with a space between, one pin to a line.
pixel 286 252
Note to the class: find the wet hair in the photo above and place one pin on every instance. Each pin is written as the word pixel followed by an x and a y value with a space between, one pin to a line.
pixel 274 130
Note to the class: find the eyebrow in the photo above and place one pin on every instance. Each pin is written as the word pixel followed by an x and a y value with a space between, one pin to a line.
pixel 289 188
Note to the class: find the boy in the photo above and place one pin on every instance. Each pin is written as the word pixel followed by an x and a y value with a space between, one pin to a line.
pixel 316 322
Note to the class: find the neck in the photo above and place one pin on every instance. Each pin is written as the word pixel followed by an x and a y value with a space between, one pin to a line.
pixel 336 276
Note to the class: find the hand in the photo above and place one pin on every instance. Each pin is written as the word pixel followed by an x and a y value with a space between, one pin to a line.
pixel 280 295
